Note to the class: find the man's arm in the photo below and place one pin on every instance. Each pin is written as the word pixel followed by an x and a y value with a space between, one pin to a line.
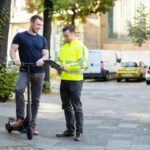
pixel 45 56
pixel 13 50
pixel 80 63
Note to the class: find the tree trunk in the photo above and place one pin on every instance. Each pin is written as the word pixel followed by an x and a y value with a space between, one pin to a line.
pixel 4 27
pixel 48 8
pixel 73 17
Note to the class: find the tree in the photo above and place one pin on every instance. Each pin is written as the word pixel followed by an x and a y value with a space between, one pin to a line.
pixel 4 27
pixel 48 7
pixel 70 10
pixel 79 9
pixel 140 31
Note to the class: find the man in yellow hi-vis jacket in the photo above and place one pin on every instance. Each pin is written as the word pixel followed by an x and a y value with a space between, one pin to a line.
pixel 73 60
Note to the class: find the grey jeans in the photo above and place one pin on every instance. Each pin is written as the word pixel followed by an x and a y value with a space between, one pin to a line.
pixel 36 80
pixel 71 103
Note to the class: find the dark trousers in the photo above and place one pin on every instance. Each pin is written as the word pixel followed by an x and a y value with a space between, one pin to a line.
pixel 70 95
pixel 36 80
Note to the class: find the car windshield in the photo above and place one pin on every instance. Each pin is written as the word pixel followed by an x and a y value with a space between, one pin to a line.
pixel 129 64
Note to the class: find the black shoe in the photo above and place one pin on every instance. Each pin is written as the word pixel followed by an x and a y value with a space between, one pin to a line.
pixel 78 137
pixel 66 133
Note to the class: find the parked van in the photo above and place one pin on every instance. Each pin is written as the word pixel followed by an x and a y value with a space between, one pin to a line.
pixel 102 64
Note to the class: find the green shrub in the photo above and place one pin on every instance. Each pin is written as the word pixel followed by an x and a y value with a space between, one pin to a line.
pixel 7 82
pixel 46 87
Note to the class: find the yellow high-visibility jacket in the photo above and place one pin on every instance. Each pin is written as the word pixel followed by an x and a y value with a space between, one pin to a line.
pixel 74 55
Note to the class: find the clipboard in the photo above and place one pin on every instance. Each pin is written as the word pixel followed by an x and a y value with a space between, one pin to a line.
pixel 53 64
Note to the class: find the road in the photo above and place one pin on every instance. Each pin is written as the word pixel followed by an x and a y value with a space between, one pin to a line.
pixel 116 117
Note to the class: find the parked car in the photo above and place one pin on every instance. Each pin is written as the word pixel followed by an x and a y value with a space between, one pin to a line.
pixel 101 64
pixel 131 70
pixel 147 76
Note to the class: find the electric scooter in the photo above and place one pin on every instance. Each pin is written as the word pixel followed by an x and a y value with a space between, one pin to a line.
pixel 26 126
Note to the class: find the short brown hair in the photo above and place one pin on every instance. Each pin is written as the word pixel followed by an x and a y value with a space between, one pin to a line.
pixel 33 18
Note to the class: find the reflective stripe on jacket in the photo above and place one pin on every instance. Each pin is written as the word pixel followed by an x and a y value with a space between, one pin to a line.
pixel 74 55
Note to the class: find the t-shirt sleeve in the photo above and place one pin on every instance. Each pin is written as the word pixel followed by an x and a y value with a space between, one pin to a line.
pixel 45 44
pixel 16 39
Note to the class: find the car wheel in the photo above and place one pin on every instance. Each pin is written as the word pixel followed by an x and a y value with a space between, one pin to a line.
pixel 148 82
pixel 106 78
pixel 127 80
pixel 118 80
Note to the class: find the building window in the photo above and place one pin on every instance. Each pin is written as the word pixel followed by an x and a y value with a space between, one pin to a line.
pixel 17 7
pixel 120 16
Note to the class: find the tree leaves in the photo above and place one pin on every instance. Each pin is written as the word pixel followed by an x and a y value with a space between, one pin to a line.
pixel 140 31
pixel 69 10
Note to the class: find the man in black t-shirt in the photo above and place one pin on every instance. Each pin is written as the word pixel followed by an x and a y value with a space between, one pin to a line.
pixel 32 48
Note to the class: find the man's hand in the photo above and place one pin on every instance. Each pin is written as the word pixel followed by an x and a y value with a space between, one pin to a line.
pixel 63 67
pixel 17 62
pixel 40 63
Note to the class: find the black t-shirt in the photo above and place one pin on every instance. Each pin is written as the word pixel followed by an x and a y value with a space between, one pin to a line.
pixel 30 49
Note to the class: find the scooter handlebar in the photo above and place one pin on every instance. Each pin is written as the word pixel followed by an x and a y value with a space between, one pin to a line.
pixel 22 63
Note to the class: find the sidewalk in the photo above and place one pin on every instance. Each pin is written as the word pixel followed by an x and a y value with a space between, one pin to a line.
pixel 107 123
pixel 50 122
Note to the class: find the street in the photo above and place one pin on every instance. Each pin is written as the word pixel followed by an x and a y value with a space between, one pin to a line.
pixel 116 117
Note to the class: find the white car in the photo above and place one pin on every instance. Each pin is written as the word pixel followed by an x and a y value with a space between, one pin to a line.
pixel 147 77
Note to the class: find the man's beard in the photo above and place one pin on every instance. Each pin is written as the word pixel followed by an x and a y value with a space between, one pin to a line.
pixel 34 31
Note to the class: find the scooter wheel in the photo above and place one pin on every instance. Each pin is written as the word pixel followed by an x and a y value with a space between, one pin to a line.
pixel 8 127
pixel 29 133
